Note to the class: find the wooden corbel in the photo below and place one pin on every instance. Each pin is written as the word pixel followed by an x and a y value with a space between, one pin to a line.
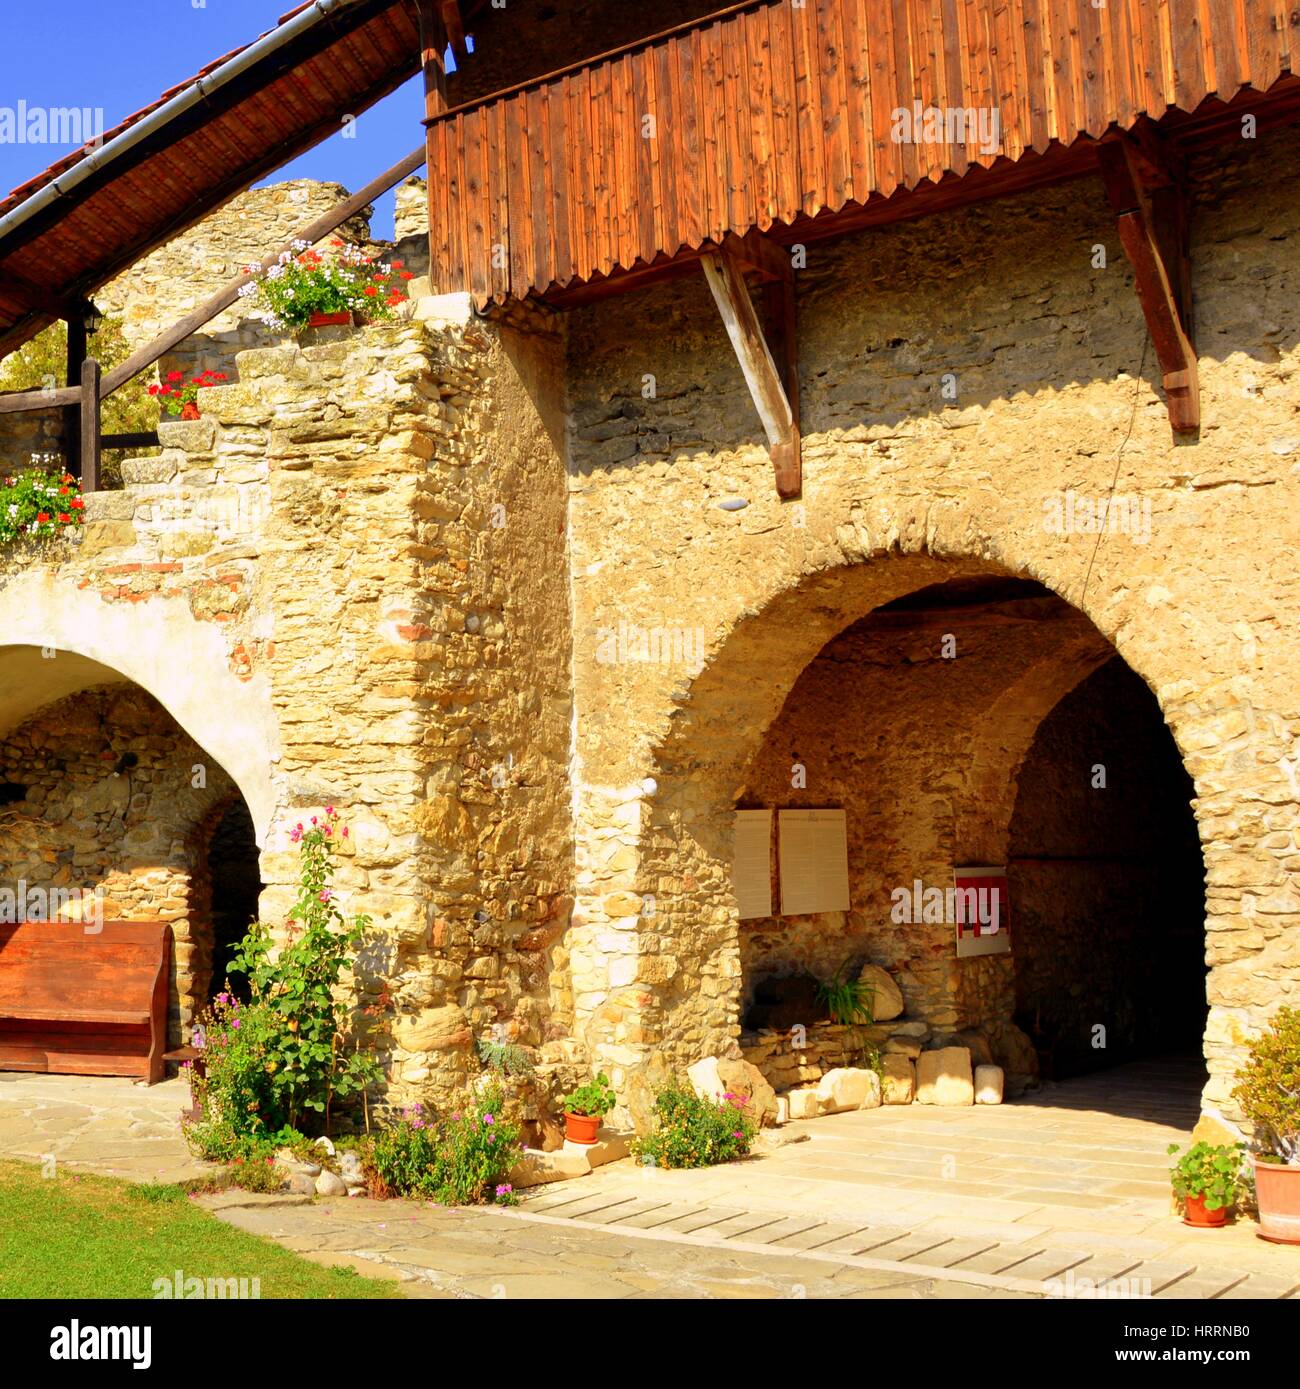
pixel 455 26
pixel 771 372
pixel 1145 186
pixel 433 47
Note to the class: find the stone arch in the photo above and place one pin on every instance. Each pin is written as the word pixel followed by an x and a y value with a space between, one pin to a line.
pixel 59 638
pixel 678 992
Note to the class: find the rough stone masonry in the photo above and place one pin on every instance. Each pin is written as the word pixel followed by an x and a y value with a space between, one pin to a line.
pixel 383 572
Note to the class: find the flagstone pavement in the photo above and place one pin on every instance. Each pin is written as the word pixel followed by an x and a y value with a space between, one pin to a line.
pixel 1063 1193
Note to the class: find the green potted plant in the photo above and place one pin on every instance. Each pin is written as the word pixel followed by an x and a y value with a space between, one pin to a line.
pixel 1207 1181
pixel 305 289
pixel 585 1107
pixel 1268 1090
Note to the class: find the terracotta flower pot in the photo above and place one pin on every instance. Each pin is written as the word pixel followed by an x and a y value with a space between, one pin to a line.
pixel 331 320
pixel 1194 1213
pixel 581 1128
pixel 190 411
pixel 1277 1190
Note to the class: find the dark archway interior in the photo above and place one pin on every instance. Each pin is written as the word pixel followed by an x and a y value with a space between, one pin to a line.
pixel 236 883
pixel 1107 884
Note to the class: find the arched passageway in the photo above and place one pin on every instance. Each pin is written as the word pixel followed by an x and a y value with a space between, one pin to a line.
pixel 103 792
pixel 956 714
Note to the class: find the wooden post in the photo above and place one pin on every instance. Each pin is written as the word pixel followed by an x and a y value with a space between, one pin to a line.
pixel 72 413
pixel 89 425
pixel 433 45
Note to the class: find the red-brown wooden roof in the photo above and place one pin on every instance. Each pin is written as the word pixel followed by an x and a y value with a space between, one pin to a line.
pixel 780 117
pixel 290 100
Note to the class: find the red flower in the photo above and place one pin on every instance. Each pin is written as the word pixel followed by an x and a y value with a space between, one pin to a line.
pixel 408 274
pixel 153 390
pixel 176 376
pixel 64 518
pixel 42 517
pixel 219 376
pixel 77 504
pixel 371 291
pixel 396 264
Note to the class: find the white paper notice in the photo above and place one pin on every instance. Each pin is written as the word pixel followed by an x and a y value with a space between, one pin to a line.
pixel 814 859
pixel 751 873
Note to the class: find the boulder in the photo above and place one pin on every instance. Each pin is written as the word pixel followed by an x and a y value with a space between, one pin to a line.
pixel 848 1087
pixel 886 996
pixel 1014 1052
pixel 903 1046
pixel 716 1076
pixel 988 1084
pixel 943 1077
pixel 898 1084
pixel 330 1184
pixel 804 1104
pixel 535 1167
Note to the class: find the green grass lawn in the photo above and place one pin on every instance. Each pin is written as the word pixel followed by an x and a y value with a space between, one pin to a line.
pixel 82 1236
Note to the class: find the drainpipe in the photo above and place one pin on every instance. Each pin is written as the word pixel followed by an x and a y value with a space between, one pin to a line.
pixel 196 92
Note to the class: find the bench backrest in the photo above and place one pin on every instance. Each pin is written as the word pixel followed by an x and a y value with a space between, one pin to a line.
pixel 54 965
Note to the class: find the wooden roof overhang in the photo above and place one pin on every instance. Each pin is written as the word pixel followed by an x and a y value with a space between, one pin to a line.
pixel 727 139
pixel 782 117
pixel 98 210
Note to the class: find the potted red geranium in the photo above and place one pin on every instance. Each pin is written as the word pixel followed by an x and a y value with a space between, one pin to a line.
pixel 181 397
pixel 305 289
pixel 585 1108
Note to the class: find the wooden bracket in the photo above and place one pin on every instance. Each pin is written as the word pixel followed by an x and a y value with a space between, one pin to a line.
pixel 454 23
pixel 771 373
pixel 1145 186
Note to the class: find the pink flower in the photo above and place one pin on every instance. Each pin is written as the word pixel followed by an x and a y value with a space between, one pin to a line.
pixel 325 894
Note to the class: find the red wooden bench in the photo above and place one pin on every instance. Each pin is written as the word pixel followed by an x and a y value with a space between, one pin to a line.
pixel 82 1003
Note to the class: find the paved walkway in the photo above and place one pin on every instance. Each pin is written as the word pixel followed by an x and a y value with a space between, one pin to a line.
pixel 1052 1195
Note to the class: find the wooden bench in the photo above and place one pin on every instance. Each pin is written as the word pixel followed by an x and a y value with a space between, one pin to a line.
pixel 81 1003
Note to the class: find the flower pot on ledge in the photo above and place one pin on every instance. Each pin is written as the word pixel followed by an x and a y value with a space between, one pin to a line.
pixel 581 1128
pixel 190 411
pixel 343 319
pixel 1277 1193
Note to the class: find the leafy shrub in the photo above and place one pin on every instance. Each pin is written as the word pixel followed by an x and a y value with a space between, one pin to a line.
pixel 304 1043
pixel 595 1099
pixel 1209 1170
pixel 695 1132
pixel 234 1088
pixel 1268 1088
pixel 461 1160
pixel 304 282
pixel 38 504
pixel 505 1058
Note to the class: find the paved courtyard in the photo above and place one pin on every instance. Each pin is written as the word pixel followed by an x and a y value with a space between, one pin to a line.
pixel 1054 1194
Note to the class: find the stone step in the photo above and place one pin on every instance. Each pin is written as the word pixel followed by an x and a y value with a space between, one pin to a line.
pixel 1268 1285
pixel 1042 1266
pixel 613 1215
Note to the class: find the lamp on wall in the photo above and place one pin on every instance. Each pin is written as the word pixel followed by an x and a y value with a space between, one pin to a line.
pixel 91 317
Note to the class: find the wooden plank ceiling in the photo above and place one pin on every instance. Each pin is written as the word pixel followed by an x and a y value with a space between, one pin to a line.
pixel 772 114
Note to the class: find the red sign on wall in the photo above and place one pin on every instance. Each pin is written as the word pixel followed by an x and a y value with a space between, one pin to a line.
pixel 983 912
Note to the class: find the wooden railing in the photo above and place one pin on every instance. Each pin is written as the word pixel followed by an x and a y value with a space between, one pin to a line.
pixel 89 385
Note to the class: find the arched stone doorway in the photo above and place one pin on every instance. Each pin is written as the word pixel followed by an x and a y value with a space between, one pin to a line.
pixel 102 791
pixel 908 690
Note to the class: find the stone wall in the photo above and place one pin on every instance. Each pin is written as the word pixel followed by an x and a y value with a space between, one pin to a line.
pixel 905 487
pixel 86 820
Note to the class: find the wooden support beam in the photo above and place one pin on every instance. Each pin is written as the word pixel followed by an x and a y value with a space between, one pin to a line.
pixel 72 413
pixel 1150 206
pixel 765 379
pixel 89 470
pixel 454 23
pixel 433 45
pixel 36 297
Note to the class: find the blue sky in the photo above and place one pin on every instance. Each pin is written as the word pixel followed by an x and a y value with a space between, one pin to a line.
pixel 122 54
